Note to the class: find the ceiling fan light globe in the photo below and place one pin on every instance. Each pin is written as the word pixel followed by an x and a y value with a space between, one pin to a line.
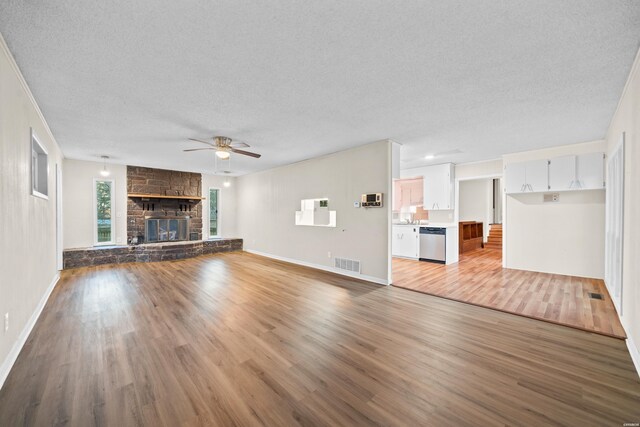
pixel 224 155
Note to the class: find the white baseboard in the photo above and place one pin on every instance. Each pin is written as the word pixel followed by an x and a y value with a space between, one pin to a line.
pixel 322 267
pixel 635 353
pixel 8 362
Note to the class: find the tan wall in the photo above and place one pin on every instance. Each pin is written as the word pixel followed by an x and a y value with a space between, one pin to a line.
pixel 227 205
pixel 78 201
pixel 627 120
pixel 28 226
pixel 565 237
pixel 267 202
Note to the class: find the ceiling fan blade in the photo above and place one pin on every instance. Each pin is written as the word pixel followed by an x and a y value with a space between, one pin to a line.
pixel 246 153
pixel 200 149
pixel 235 143
pixel 204 142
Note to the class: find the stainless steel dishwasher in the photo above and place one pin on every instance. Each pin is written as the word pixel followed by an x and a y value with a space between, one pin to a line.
pixel 433 244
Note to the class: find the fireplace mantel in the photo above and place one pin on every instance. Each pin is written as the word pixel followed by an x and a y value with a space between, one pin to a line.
pixel 163 196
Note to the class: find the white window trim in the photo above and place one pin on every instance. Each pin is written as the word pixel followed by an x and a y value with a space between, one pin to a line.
pixel 217 236
pixel 95 213
pixel 33 137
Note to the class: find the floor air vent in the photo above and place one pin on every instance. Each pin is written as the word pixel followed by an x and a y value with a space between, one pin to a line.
pixel 347 264
pixel 593 295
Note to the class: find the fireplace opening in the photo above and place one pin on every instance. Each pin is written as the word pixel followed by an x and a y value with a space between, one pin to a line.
pixel 166 229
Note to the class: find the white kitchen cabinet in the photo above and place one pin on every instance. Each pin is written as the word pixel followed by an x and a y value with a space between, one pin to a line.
pixel 527 177
pixel 438 187
pixel 562 173
pixel 581 172
pixel 515 177
pixel 590 171
pixel 405 241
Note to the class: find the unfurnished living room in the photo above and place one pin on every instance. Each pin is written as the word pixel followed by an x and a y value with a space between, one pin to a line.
pixel 386 213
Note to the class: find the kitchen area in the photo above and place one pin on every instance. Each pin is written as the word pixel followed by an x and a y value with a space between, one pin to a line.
pixel 423 226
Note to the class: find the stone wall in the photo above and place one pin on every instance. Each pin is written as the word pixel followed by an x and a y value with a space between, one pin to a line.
pixel 86 257
pixel 165 182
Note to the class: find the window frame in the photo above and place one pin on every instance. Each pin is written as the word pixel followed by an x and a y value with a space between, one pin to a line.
pixel 34 169
pixel 95 212
pixel 219 228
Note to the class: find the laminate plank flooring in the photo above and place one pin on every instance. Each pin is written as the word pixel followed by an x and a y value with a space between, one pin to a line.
pixel 480 279
pixel 240 340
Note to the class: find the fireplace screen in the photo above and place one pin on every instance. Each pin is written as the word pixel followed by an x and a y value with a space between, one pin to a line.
pixel 166 229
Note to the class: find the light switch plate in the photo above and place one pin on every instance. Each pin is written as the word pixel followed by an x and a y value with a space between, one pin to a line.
pixel 356 204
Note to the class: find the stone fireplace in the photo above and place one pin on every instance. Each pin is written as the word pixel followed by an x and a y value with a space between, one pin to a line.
pixel 163 205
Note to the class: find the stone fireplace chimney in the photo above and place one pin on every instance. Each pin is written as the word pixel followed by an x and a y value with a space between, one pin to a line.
pixel 163 194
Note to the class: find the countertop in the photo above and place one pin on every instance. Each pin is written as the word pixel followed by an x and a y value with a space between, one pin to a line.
pixel 431 224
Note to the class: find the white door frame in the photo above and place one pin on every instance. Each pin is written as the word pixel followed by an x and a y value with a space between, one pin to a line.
pixel 219 228
pixel 59 264
pixel 614 266
pixel 456 208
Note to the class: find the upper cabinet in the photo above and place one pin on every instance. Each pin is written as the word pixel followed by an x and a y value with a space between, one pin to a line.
pixel 582 172
pixel 590 171
pixel 407 193
pixel 527 177
pixel 438 187
pixel 566 173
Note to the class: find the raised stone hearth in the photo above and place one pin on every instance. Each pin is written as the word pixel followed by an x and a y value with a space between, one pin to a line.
pixel 86 257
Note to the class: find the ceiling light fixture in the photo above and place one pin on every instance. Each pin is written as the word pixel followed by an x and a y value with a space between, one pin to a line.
pixel 429 156
pixel 224 155
pixel 226 183
pixel 104 171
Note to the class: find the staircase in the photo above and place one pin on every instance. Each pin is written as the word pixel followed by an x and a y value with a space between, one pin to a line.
pixel 495 237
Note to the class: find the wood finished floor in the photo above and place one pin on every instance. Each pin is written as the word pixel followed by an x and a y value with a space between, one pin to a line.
pixel 480 279
pixel 238 339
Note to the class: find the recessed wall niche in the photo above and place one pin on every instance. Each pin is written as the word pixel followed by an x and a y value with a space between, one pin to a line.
pixel 316 213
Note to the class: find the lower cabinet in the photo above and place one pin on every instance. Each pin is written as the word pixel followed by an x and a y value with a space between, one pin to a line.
pixel 405 241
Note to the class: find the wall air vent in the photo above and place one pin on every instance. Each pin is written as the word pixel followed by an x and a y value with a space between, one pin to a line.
pixel 347 264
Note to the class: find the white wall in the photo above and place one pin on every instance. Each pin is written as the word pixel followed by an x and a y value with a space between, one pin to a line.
pixel 267 202
pixel 78 201
pixel 227 208
pixel 565 237
pixel 476 202
pixel 627 119
pixel 28 226
pixel 489 168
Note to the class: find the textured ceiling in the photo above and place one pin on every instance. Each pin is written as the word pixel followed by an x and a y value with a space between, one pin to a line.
pixel 470 79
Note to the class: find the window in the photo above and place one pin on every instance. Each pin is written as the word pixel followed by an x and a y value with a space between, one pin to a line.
pixel 103 200
pixel 39 168
pixel 214 206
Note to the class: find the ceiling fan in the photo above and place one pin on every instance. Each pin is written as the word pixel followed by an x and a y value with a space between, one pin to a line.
pixel 224 146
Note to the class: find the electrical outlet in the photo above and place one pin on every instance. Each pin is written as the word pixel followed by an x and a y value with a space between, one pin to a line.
pixel 329 254
pixel 6 322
